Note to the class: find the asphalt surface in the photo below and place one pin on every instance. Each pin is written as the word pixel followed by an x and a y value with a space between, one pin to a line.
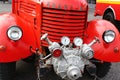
pixel 26 71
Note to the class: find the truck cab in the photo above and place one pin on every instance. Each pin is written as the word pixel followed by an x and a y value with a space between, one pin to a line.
pixel 109 10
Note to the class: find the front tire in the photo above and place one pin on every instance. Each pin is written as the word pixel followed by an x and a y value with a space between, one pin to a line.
pixel 7 71
pixel 102 69
pixel 109 16
pixel 30 59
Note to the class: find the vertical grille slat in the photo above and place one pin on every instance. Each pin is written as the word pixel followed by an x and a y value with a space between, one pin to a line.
pixel 58 23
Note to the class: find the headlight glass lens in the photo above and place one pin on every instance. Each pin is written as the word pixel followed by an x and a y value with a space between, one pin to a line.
pixel 14 33
pixel 65 40
pixel 109 36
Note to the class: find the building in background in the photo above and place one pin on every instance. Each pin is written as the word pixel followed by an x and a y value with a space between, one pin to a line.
pixel 91 3
pixel 10 1
pixel 4 1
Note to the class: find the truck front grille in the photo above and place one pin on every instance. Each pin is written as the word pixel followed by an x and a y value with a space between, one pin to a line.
pixel 58 23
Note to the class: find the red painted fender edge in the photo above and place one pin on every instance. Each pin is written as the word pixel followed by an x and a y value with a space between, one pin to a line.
pixel 15 50
pixel 103 51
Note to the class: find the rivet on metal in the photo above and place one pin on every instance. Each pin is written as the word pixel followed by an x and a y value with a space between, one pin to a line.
pixel 65 7
pixel 80 8
pixel 53 5
pixel 116 50
pixel 48 4
pixel 59 6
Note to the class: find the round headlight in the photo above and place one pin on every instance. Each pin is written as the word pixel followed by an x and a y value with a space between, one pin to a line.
pixel 14 33
pixel 65 40
pixel 109 36
pixel 78 41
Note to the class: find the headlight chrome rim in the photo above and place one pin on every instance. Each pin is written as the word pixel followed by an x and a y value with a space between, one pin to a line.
pixel 14 33
pixel 109 36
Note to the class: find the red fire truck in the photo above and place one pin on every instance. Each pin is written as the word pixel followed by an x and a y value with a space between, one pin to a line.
pixel 58 34
pixel 109 9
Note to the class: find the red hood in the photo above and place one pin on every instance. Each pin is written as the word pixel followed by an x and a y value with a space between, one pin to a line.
pixel 66 4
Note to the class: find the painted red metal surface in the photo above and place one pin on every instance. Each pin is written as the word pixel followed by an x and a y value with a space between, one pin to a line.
pixel 15 50
pixel 103 51
pixel 57 18
pixel 102 7
pixel 65 4
pixel 62 18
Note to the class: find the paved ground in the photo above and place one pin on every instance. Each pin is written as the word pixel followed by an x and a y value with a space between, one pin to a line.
pixel 5 7
pixel 26 71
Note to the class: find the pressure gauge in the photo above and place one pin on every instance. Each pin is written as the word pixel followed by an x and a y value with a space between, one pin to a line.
pixel 65 40
pixel 78 41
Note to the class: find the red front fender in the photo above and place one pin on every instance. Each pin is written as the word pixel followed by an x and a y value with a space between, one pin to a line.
pixel 15 50
pixel 109 52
